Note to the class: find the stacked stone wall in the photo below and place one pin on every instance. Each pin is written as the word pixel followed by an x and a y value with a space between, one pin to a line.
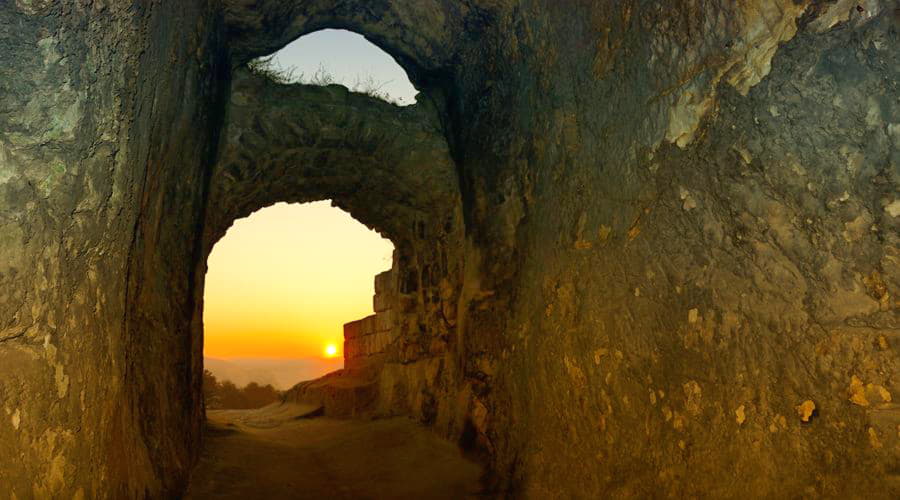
pixel 368 338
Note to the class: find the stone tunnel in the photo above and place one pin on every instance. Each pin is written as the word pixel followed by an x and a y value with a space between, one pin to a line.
pixel 643 248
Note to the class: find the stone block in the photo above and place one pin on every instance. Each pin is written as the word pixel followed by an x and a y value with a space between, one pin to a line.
pixel 405 303
pixel 351 349
pixel 384 321
pixel 381 302
pixel 383 281
pixel 367 325
pixel 382 340
pixel 353 329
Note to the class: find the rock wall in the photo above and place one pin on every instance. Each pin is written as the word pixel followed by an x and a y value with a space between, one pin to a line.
pixel 660 318
pixel 365 340
pixel 105 148
pixel 643 248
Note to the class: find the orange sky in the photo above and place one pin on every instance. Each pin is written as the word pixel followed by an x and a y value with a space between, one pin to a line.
pixel 282 282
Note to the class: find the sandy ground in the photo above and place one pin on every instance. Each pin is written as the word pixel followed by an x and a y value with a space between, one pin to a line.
pixel 271 453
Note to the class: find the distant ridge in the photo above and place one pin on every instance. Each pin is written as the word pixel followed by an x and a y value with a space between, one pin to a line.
pixel 281 373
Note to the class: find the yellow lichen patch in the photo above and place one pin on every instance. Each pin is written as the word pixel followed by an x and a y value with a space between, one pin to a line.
pixel 878 289
pixel 739 415
pixel 805 410
pixel 873 438
pixel 62 382
pixel 883 393
pixel 779 420
pixel 864 394
pixel 598 354
pixel 580 242
pixel 858 392
pixel 678 422
pixel 633 232
pixel 583 245
pixel 52 444
pixel 603 232
pixel 693 315
pixel 575 372
pixel 693 395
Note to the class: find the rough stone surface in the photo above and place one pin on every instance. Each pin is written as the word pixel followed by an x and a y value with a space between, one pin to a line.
pixel 633 238
pixel 100 104
pixel 389 166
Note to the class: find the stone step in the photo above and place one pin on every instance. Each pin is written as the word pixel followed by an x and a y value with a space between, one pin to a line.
pixel 339 394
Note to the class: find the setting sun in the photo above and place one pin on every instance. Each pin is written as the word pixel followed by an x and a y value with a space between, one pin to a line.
pixel 330 351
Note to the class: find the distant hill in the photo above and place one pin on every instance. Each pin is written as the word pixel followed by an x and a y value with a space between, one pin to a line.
pixel 280 373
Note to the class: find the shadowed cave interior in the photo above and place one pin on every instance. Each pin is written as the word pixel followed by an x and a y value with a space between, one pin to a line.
pixel 642 248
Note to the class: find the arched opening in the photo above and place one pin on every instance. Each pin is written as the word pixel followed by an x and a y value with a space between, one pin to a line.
pixel 279 286
pixel 389 166
pixel 334 56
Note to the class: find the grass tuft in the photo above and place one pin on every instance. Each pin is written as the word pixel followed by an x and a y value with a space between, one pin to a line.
pixel 368 85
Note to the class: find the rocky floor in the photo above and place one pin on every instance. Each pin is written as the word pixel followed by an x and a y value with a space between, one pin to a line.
pixel 276 452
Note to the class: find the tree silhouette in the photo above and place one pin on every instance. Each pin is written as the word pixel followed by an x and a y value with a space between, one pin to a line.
pixel 226 395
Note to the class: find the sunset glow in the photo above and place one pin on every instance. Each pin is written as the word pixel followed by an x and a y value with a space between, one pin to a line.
pixel 282 282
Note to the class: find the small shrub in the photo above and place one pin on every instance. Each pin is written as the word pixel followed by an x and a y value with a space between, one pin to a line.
pixel 266 68
pixel 225 395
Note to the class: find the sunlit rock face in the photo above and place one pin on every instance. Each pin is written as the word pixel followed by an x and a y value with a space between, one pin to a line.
pixel 671 306
pixel 643 248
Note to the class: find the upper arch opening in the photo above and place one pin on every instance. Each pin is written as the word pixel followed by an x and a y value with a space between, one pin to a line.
pixel 337 56
pixel 421 35
pixel 280 285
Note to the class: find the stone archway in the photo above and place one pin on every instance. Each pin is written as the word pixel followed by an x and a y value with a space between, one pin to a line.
pixel 388 166
pixel 423 36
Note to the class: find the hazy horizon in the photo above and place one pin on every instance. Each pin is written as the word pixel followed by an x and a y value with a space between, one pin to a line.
pixel 281 373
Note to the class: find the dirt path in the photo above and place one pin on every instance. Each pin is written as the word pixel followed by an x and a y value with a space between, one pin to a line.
pixel 269 453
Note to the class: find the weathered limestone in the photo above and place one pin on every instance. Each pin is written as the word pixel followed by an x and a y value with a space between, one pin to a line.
pixel 388 166
pixel 672 308
pixel 104 151
pixel 423 36
pixel 644 248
